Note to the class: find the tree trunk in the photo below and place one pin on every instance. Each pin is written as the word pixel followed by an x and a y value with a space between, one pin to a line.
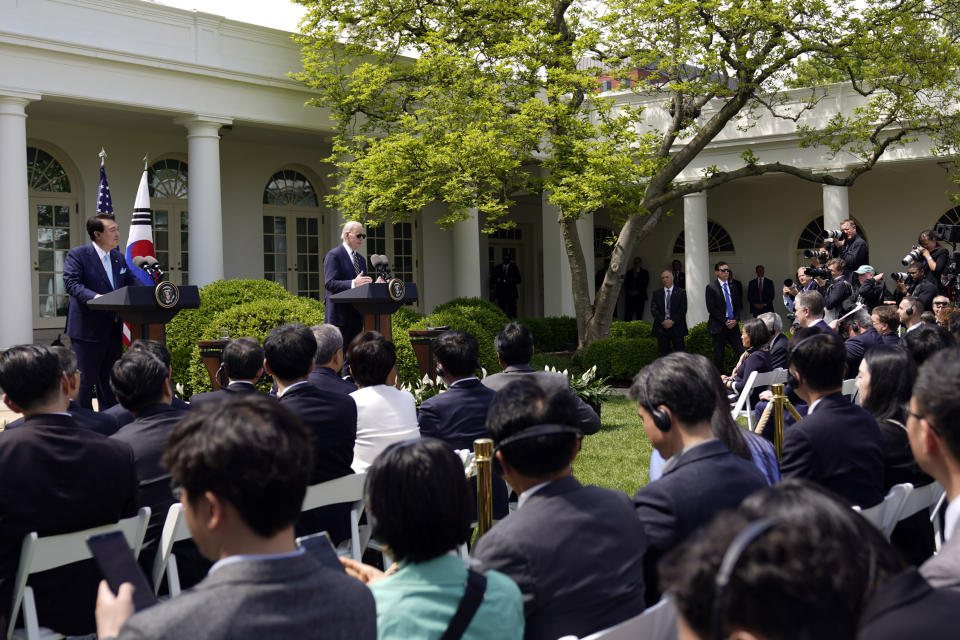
pixel 578 276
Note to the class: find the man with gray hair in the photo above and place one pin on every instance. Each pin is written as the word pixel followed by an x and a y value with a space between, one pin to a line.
pixel 809 307
pixel 778 341
pixel 329 360
pixel 860 338
pixel 343 269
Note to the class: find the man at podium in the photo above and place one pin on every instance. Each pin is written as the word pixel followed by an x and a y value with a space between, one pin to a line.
pixel 343 269
pixel 89 271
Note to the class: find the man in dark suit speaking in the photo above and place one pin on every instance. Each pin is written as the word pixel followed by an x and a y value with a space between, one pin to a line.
pixel 723 308
pixel 89 271
pixel 343 269
pixel 669 311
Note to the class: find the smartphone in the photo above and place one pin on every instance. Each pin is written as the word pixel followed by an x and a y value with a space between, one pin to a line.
pixel 118 565
pixel 321 548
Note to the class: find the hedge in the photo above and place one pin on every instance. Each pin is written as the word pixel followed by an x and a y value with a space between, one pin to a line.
pixel 552 334
pixel 633 329
pixel 699 341
pixel 620 358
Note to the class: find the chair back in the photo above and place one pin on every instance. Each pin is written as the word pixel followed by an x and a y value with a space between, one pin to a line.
pixel 925 497
pixel 348 488
pixel 174 530
pixel 885 515
pixel 755 381
pixel 659 622
pixel 850 389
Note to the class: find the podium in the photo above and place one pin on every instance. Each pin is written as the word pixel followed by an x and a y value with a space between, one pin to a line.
pixel 375 304
pixel 138 307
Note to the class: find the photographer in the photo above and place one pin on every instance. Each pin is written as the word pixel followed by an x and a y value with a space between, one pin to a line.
pixel 852 248
pixel 791 290
pixel 935 257
pixel 838 298
pixel 917 285
pixel 868 287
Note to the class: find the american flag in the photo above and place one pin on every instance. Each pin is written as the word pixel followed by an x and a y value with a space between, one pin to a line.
pixel 104 203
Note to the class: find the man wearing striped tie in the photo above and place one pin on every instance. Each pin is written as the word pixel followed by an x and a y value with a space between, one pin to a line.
pixel 344 268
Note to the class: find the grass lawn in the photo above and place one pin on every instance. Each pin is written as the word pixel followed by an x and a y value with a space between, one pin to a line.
pixel 618 456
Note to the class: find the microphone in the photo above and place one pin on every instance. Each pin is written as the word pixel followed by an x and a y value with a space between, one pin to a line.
pixel 382 265
pixel 140 262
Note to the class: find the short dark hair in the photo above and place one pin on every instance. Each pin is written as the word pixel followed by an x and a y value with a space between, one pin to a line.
pixel 892 374
pixel 936 394
pixel 418 499
pixel 925 341
pixel 457 352
pixel 717 266
pixel 525 403
pixel 254 434
pixel 289 350
pixel 514 343
pixel 138 380
pixel 756 330
pixel 68 359
pixel 808 577
pixel 953 324
pixel 927 234
pixel 678 382
pixel 95 223
pixel 915 303
pixel 154 348
pixel 242 359
pixel 329 341
pixel 887 314
pixel 819 357
pixel 812 301
pixel 371 357
pixel 30 375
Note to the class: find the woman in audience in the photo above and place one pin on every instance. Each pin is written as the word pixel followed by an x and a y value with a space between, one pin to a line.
pixel 419 506
pixel 885 382
pixel 755 337
pixel 385 414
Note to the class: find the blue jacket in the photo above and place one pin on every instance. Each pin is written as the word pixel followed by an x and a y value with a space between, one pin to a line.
pixel 84 278
pixel 457 416
pixel 338 275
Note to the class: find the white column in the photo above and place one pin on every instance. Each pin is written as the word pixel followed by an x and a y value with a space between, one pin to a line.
pixel 203 198
pixel 466 257
pixel 557 281
pixel 836 206
pixel 697 265
pixel 16 312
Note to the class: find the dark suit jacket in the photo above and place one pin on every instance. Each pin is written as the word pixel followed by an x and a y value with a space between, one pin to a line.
pixel 588 420
pixel 124 417
pixel 233 389
pixel 758 361
pixel 717 306
pixel 84 278
pixel 703 481
pixel 857 346
pixel 286 598
pixel 576 553
pixel 327 379
pixel 338 275
pixel 637 280
pixel 56 478
pixel 838 446
pixel 754 297
pixel 678 313
pixel 457 416
pixel 778 351
pixel 890 338
pixel 854 252
pixel 905 606
pixel 103 423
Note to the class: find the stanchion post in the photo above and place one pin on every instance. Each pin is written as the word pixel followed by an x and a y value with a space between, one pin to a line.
pixel 483 448
pixel 778 399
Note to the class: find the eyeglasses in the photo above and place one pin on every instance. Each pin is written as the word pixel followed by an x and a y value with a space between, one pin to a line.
pixel 724 270
pixel 359 235
pixel 912 414
pixel 940 304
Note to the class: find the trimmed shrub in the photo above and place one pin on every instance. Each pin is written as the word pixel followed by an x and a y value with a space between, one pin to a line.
pixel 404 317
pixel 254 319
pixel 633 329
pixel 620 358
pixel 552 334
pixel 700 341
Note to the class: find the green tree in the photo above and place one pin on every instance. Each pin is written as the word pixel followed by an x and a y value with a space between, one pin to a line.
pixel 471 101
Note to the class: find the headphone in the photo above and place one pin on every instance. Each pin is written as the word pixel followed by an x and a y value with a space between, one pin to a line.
pixel 661 419
pixel 534 431
pixel 731 556
pixel 792 381
pixel 909 311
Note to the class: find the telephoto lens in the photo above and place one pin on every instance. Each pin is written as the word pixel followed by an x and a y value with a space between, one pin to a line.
pixel 915 255
pixel 788 282
pixel 833 234
pixel 899 276
pixel 817 273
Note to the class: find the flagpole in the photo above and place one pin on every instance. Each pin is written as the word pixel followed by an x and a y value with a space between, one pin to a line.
pixel 102 155
pixel 146 161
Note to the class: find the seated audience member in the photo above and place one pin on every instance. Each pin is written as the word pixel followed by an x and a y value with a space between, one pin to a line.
pixel 158 350
pixel 837 444
pixel 458 416
pixel 942 309
pixel 953 325
pixel 330 418
pixel 102 423
pixel 886 321
pixel 575 552
pixel 676 401
pixel 795 562
pixel 860 338
pixel 756 357
pixel 933 426
pixel 329 360
pixel 385 414
pixel 925 341
pixel 420 508
pixel 261 585
pixel 885 380
pixel 514 347
pixel 778 341
pixel 809 310
pixel 928 317
pixel 242 364
pixel 908 313
pixel 55 478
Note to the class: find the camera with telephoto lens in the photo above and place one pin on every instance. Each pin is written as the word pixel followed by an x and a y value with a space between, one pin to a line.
pixel 818 254
pixel 900 276
pixel 817 273
pixel 833 234
pixel 915 255
pixel 788 282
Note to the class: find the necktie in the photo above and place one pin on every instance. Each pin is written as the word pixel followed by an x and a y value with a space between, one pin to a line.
pixel 356 263
pixel 666 302
pixel 760 286
pixel 108 269
pixel 726 297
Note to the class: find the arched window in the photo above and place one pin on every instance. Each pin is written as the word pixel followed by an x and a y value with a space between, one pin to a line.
pixel 812 235
pixel 289 188
pixel 950 217
pixel 44 173
pixel 718 240
pixel 168 179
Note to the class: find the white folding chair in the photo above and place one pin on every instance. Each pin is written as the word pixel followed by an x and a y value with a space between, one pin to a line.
pixel 338 491
pixel 755 381
pixel 885 515
pixel 659 622
pixel 49 552
pixel 921 498
pixel 937 523
pixel 850 389
pixel 174 530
